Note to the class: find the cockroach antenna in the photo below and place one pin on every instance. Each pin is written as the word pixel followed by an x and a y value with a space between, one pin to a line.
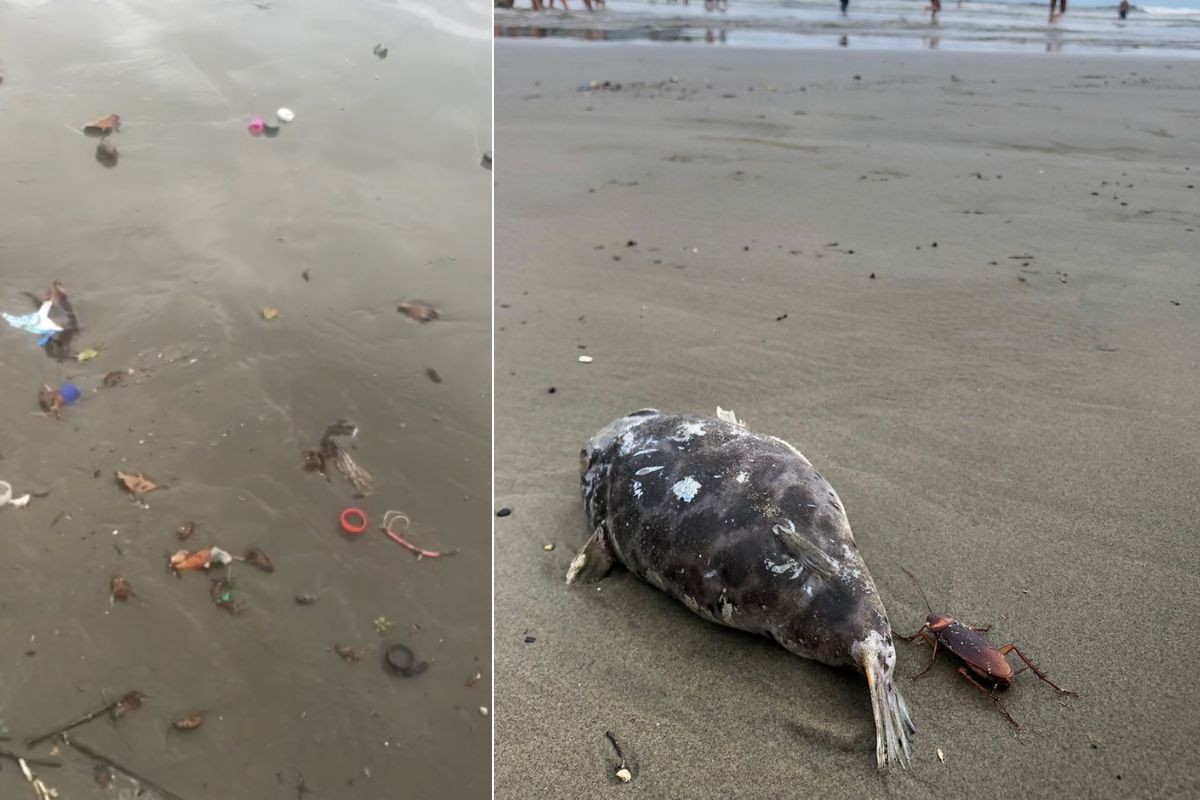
pixel 919 589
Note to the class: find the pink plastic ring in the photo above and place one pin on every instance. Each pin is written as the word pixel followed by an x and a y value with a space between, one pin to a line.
pixel 354 521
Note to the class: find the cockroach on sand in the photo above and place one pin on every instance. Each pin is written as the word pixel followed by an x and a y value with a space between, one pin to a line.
pixel 985 665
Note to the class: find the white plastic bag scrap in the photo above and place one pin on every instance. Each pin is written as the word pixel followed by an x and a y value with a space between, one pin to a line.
pixel 6 496
pixel 38 322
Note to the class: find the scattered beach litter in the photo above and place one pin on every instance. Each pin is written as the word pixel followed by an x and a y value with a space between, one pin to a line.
pixel 286 115
pixel 38 322
pixel 119 590
pixel 53 322
pixel 135 482
pixel 400 660
pixel 330 451
pixel 107 153
pixel 600 86
pixel 390 520
pixel 486 161
pixel 419 310
pixel 349 653
pixel 256 126
pixel 380 51
pixel 185 561
pixel 585 359
pixel 103 126
pixel 7 499
pixel 270 313
pixel 622 772
pixel 190 722
pixel 354 521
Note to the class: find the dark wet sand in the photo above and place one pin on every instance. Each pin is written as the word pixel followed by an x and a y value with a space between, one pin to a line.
pixel 376 189
pixel 1028 447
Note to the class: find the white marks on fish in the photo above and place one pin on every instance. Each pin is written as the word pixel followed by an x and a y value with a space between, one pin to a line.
pixel 788 565
pixel 742 477
pixel 647 470
pixel 686 489
pixel 687 430
pixel 637 488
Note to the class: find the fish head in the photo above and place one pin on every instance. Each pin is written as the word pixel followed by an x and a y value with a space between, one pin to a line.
pixel 608 441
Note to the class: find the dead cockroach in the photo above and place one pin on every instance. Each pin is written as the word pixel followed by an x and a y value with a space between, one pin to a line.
pixel 986 667
pixel 132 701
pixel 348 652
pixel 190 722
pixel 119 589
pixel 259 560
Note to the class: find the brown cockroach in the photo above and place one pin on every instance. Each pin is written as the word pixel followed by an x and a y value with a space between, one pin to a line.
pixel 985 665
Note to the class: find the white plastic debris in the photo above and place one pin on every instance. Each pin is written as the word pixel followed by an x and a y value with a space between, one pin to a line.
pixel 218 556
pixel 6 496
pixel 625 775
pixel 585 359
pixel 285 114
pixel 941 756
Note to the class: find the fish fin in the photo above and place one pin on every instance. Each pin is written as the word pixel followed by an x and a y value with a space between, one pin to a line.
pixel 727 415
pixel 805 551
pixel 593 561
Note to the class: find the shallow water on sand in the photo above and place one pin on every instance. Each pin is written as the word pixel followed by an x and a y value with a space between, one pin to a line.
pixel 376 191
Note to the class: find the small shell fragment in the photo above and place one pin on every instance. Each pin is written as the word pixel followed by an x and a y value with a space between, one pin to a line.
pixel 548 547
pixel 585 359
pixel 625 775
pixel 285 114
pixel 941 756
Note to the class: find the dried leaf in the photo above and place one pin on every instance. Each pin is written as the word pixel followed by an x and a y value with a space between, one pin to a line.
pixel 418 310
pixel 104 125
pixel 269 313
pixel 190 722
pixel 87 354
pixel 136 483
pixel 259 560
pixel 185 530
pixel 120 589
pixel 347 652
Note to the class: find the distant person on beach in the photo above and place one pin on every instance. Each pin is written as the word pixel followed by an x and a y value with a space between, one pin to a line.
pixel 936 5
pixel 1062 9
pixel 845 5
pixel 1123 9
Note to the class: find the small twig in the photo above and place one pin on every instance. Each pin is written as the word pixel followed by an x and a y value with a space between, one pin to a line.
pixel 34 741
pixel 103 759
pixel 612 737
pixel 37 762
pixel 302 789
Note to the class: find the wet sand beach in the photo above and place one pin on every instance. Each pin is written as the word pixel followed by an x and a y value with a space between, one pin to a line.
pixel 964 286
pixel 376 194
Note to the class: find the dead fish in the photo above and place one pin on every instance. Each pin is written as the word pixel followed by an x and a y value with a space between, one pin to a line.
pixel 746 533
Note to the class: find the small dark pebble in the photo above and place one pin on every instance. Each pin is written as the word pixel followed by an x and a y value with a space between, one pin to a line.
pixel 530 639
pixel 933 245
pixel 781 318
pixel 746 248
pixel 1174 302
pixel 631 243
pixel 486 161
pixel 305 599
pixel 872 276
pixel 433 375
pixel 504 512
pixel 551 390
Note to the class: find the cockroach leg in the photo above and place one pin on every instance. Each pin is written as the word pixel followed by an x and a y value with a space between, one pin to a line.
pixel 920 632
pixel 971 678
pixel 932 658
pixel 1012 648
pixel 980 628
